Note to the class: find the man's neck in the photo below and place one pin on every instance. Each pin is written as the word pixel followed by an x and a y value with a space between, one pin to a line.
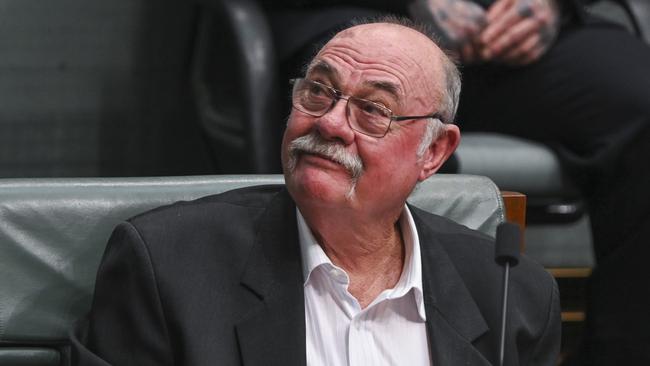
pixel 371 251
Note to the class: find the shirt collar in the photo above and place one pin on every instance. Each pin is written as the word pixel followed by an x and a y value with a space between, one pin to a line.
pixel 313 256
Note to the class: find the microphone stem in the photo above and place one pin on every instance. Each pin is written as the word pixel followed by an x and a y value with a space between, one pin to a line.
pixel 504 309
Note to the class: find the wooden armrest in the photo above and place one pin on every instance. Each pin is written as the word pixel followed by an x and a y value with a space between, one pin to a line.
pixel 515 205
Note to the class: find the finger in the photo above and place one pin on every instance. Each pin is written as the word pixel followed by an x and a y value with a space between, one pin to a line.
pixel 497 9
pixel 472 32
pixel 515 54
pixel 512 37
pixel 500 25
pixel 530 51
pixel 463 33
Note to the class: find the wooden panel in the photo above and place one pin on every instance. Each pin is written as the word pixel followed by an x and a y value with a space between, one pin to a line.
pixel 576 272
pixel 515 205
pixel 573 316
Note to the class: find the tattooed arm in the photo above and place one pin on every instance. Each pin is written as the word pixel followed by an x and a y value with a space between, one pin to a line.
pixel 458 23
pixel 519 31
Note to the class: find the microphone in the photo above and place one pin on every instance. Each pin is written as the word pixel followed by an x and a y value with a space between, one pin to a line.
pixel 506 255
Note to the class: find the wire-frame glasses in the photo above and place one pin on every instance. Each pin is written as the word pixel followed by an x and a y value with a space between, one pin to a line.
pixel 365 116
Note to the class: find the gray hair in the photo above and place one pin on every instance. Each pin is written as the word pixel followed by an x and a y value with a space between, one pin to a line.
pixel 433 130
pixel 451 96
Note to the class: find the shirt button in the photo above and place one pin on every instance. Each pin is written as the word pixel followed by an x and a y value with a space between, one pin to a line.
pixel 357 324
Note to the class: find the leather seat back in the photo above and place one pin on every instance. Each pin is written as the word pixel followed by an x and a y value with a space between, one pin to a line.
pixel 53 233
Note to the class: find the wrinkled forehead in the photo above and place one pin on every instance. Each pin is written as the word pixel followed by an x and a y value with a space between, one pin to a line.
pixel 382 37
pixel 393 53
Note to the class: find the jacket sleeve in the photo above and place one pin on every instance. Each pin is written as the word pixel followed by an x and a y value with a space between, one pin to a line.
pixel 126 324
pixel 547 349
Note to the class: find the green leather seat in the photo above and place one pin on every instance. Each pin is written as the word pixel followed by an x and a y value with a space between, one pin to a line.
pixel 53 233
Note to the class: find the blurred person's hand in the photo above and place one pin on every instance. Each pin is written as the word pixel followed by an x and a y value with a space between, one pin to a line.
pixel 458 23
pixel 519 31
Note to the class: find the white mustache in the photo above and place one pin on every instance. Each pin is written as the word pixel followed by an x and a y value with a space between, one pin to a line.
pixel 313 143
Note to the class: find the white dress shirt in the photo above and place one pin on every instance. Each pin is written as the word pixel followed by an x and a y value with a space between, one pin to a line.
pixel 390 331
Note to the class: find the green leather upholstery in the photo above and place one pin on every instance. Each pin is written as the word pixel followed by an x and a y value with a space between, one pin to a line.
pixel 516 164
pixel 29 356
pixel 53 233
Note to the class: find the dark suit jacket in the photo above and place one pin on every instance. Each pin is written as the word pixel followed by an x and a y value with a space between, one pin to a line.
pixel 218 281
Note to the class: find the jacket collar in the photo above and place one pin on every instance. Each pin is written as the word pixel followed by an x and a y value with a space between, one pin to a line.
pixel 454 320
pixel 274 331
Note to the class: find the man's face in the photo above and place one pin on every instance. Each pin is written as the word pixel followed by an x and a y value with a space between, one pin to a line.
pixel 387 64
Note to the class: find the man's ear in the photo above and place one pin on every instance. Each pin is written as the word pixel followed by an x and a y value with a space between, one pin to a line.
pixel 439 151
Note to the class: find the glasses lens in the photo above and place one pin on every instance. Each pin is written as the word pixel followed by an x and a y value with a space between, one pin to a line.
pixel 311 97
pixel 368 117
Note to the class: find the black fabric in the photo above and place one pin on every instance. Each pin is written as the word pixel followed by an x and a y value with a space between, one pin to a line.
pixel 219 281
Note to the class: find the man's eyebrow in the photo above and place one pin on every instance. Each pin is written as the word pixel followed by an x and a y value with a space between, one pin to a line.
pixel 322 67
pixel 386 86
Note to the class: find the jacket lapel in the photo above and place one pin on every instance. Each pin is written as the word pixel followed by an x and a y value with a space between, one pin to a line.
pixel 274 332
pixel 454 320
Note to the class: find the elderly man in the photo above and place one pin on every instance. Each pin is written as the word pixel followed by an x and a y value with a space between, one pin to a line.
pixel 334 269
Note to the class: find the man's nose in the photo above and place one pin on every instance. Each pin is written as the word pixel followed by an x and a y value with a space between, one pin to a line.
pixel 334 125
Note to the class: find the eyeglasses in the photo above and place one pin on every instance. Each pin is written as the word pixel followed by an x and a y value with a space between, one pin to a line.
pixel 364 116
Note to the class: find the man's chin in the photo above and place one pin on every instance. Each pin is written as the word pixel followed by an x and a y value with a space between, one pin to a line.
pixel 326 185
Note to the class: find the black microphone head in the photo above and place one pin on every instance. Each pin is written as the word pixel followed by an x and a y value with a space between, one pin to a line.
pixel 507 244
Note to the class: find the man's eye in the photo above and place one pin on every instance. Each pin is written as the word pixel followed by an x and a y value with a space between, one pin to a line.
pixel 317 91
pixel 373 109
